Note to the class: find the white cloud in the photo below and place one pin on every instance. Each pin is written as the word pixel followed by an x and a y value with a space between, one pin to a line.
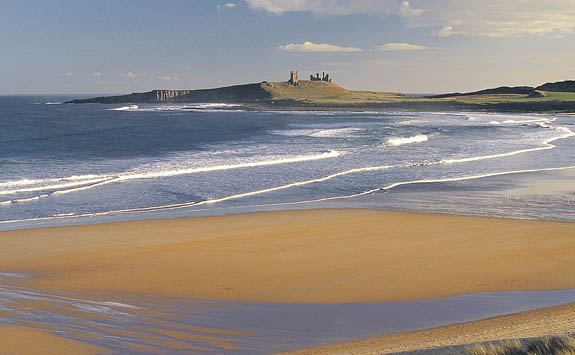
pixel 327 7
pixel 68 74
pixel 445 31
pixel 490 18
pixel 97 74
pixel 169 77
pixel 401 47
pixel 229 5
pixel 496 18
pixel 132 75
pixel 406 10
pixel 316 47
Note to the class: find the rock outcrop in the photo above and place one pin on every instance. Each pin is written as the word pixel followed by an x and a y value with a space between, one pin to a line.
pixel 230 94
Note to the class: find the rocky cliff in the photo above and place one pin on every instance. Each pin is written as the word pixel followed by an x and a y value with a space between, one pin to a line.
pixel 230 94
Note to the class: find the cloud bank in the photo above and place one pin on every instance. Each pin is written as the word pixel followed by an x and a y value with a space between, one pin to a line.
pixel 400 47
pixel 327 7
pixel 488 18
pixel 316 47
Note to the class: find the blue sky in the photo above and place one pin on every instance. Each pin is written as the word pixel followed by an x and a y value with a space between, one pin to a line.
pixel 430 46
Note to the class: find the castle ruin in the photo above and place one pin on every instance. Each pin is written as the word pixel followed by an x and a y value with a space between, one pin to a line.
pixel 293 78
pixel 325 77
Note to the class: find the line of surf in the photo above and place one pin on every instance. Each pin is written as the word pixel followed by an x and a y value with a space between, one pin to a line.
pixel 211 201
pixel 50 187
pixel 363 193
pixel 471 177
pixel 99 180
pixel 398 141
pixel 391 186
pixel 546 145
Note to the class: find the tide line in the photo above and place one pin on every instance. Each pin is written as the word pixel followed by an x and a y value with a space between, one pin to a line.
pixel 546 145
pixel 472 177
pixel 391 186
pixel 296 184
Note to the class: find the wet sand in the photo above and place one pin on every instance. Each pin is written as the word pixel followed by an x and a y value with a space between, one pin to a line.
pixel 291 257
pixel 318 256
pixel 559 320
pixel 20 340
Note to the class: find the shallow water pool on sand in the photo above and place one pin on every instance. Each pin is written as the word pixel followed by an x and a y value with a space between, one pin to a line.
pixel 147 324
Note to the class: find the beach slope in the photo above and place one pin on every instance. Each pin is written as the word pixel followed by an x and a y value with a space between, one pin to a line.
pixel 316 256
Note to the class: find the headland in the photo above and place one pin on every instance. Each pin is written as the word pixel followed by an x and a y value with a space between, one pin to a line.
pixel 321 93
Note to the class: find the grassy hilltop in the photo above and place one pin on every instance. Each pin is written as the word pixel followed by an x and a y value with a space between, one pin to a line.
pixel 325 92
pixel 310 95
pixel 264 92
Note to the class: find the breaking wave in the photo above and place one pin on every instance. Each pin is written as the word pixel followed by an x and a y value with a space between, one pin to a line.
pixel 71 184
pixel 320 133
pixel 420 138
pixel 125 108
pixel 207 107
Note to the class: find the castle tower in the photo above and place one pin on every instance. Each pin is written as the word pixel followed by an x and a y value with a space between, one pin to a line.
pixel 293 78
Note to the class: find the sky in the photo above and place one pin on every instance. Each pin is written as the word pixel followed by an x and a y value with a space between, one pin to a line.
pixel 416 46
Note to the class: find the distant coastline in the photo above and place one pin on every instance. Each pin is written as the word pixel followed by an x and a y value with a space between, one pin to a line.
pixel 316 95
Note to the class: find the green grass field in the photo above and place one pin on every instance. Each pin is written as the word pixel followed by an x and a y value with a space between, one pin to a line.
pixel 323 93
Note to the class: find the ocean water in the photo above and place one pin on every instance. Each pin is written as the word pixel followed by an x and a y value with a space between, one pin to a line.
pixel 62 163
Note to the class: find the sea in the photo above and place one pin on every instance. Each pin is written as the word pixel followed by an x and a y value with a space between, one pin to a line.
pixel 63 164
pixel 89 163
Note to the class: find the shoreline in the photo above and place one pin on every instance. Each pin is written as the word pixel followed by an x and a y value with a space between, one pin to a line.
pixel 543 107
pixel 532 181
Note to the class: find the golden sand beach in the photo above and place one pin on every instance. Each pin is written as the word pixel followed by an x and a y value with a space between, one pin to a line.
pixel 314 256
pixel 318 256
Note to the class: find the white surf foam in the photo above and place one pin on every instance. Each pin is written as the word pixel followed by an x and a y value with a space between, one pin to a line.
pixel 420 138
pixel 471 177
pixel 64 184
pixel 27 182
pixel 286 160
pixel 86 182
pixel 179 107
pixel 320 133
pixel 412 122
pixel 125 108
pixel 546 144
pixel 295 184
pixel 215 105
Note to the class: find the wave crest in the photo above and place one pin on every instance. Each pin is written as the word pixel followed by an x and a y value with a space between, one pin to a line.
pixel 420 138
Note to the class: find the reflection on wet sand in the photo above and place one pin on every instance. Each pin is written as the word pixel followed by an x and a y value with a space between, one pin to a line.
pixel 137 326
